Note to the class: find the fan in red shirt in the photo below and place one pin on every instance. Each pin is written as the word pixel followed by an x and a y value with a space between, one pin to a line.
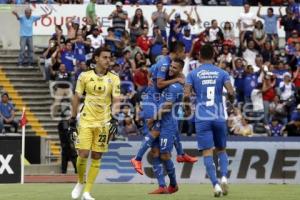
pixel 140 77
pixel 296 79
pixel 144 42
pixel 198 42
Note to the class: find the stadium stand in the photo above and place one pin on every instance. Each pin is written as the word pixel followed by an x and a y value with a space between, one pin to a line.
pixel 275 66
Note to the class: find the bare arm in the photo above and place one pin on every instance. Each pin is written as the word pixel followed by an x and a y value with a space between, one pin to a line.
pixel 69 21
pixel 233 62
pixel 112 15
pixel 280 13
pixel 75 104
pixel 198 16
pixel 186 99
pixel 46 52
pixel 16 14
pixel 169 16
pixel 189 17
pixel 238 24
pixel 12 115
pixel 230 91
pixel 265 87
pixel 258 11
pixel 123 16
pixel 115 106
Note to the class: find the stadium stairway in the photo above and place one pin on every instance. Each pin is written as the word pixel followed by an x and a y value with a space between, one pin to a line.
pixel 26 87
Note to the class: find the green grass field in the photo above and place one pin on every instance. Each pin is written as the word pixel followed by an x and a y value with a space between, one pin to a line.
pixel 139 192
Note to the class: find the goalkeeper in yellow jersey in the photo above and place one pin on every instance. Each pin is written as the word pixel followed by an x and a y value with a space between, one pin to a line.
pixel 96 124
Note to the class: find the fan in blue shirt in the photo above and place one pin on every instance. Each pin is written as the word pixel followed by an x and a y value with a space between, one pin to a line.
pixel 207 81
pixel 186 38
pixel 7 113
pixel 68 57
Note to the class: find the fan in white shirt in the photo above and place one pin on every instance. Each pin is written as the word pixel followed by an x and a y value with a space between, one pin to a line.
pixel 257 98
pixel 195 25
pixel 246 23
pixel 189 65
pixel 250 53
pixel 287 88
pixel 96 39
pixel 214 31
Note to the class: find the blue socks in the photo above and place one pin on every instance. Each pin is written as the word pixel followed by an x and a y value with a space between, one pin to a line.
pixel 147 142
pixel 210 169
pixel 177 144
pixel 158 172
pixel 223 162
pixel 169 165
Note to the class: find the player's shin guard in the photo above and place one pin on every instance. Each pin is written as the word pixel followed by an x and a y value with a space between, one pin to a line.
pixel 178 145
pixel 158 171
pixel 147 142
pixel 92 174
pixel 210 169
pixel 223 162
pixel 171 172
pixel 81 167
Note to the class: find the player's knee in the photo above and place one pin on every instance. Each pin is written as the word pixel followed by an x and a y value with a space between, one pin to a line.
pixel 96 155
pixel 165 156
pixel 83 153
pixel 220 149
pixel 207 152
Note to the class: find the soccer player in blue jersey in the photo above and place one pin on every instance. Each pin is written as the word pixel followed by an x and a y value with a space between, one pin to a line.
pixel 207 81
pixel 170 103
pixel 159 72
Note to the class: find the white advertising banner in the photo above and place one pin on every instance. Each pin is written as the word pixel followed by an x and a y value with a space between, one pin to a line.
pixel 61 13
pixel 249 162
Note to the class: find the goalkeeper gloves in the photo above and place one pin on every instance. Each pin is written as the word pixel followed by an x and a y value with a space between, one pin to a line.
pixel 72 129
pixel 113 130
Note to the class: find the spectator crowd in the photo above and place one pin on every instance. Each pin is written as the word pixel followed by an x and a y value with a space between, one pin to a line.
pixel 265 73
pixel 150 2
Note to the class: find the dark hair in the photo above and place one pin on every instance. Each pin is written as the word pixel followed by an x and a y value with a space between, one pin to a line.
pixel 68 41
pixel 230 28
pixel 141 64
pixel 5 94
pixel 271 9
pixel 212 21
pixel 135 19
pixel 178 46
pixel 179 61
pixel 110 29
pixel 99 50
pixel 159 2
pixel 58 27
pixel 207 52
pixel 259 86
pixel 126 51
pixel 135 57
pixel 259 23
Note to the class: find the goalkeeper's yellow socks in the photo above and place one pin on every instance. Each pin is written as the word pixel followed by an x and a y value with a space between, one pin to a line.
pixel 81 167
pixel 92 174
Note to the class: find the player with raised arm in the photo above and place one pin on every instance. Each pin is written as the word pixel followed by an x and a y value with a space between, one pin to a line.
pixel 207 81
pixel 159 72
pixel 97 124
